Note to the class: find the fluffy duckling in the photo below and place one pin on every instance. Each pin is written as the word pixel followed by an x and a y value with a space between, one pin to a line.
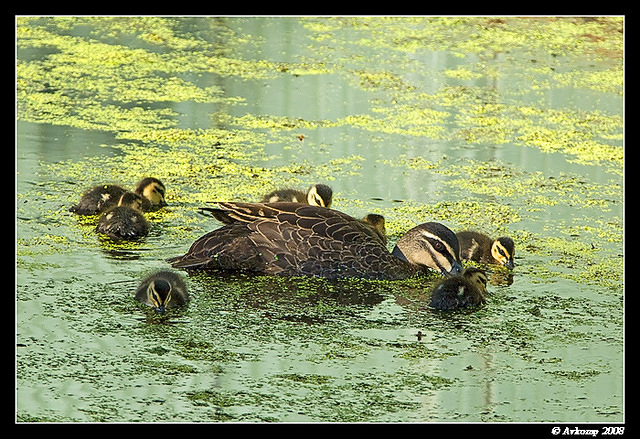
pixel 477 247
pixel 377 222
pixel 317 195
pixel 161 290
pixel 125 221
pixel 101 198
pixel 98 199
pixel 152 191
pixel 467 289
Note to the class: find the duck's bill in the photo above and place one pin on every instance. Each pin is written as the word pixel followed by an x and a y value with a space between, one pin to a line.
pixel 456 269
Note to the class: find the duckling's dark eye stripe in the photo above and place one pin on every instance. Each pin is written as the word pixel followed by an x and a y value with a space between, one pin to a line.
pixel 154 297
pixel 503 251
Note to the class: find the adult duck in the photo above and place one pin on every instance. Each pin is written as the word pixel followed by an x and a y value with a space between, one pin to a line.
pixel 290 239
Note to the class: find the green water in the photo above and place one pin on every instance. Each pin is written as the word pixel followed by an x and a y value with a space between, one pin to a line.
pixel 505 125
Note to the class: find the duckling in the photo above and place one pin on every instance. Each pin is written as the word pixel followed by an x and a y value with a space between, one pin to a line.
pixel 317 195
pixel 103 197
pixel 98 199
pixel 467 289
pixel 477 247
pixel 125 221
pixel 377 222
pixel 152 191
pixel 161 290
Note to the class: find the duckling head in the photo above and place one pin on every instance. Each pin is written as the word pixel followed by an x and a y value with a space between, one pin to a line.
pixel 319 195
pixel 431 245
pixel 477 277
pixel 377 222
pixel 132 200
pixel 455 292
pixel 153 190
pixel 503 250
pixel 159 294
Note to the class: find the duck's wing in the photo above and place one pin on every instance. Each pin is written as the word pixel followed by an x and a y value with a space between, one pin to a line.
pixel 229 213
pixel 288 239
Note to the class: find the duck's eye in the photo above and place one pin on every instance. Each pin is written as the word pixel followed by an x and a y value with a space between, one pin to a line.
pixel 438 246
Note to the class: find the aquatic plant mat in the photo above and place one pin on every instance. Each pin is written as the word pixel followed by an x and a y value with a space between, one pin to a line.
pixel 510 126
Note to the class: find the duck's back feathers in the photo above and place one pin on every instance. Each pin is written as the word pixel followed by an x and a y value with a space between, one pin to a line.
pixel 292 239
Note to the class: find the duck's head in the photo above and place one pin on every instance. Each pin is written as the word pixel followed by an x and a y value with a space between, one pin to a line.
pixel 431 245
pixel 503 250
pixel 477 277
pixel 319 195
pixel 159 294
pixel 132 200
pixel 153 190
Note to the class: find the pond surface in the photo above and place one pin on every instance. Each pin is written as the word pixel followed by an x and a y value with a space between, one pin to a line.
pixel 511 126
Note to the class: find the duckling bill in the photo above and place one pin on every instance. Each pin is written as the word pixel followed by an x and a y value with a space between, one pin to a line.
pixel 462 291
pixel 477 247
pixel 162 290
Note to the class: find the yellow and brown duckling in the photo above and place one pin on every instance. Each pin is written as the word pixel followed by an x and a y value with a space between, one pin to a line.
pixel 475 246
pixel 162 290
pixel 377 222
pixel 317 195
pixel 103 197
pixel 292 239
pixel 465 290
pixel 125 221
pixel 152 191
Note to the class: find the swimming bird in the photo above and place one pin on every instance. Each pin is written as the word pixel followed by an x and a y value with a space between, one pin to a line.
pixel 161 290
pixel 378 223
pixel 317 195
pixel 152 191
pixel 290 239
pixel 125 221
pixel 465 290
pixel 475 246
pixel 100 198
